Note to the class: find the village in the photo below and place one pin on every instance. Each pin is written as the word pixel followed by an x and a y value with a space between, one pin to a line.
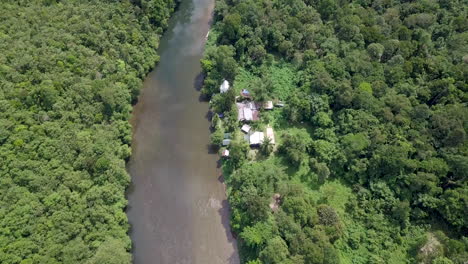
pixel 248 112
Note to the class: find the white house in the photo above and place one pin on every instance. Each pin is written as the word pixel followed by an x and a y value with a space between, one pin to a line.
pixel 226 142
pixel 225 153
pixel 256 138
pixel 268 105
pixel 224 87
pixel 245 128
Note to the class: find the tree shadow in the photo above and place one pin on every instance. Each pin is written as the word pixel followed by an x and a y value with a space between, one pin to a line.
pixel 209 115
pixel 212 149
pixel 221 178
pixel 225 213
pixel 198 83
pixel 203 98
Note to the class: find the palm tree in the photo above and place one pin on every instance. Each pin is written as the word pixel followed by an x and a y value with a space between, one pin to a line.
pixel 267 146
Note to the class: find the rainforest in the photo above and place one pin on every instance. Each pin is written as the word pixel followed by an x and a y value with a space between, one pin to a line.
pixel 340 126
pixel 368 163
pixel 69 72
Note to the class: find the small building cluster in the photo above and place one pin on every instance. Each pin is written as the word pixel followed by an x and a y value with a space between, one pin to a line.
pixel 249 111
pixel 256 138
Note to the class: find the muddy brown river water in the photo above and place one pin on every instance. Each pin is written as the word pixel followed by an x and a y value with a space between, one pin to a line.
pixel 177 204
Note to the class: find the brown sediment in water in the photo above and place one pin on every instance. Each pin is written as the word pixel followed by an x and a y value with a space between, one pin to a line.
pixel 177 203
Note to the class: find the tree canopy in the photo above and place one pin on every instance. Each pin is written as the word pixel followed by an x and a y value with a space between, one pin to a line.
pixel 376 100
pixel 69 71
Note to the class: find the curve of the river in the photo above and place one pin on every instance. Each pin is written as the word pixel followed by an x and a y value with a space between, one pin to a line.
pixel 177 204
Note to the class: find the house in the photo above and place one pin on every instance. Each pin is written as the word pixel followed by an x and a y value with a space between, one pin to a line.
pixel 256 138
pixel 224 87
pixel 245 128
pixel 247 111
pixel 225 153
pixel 279 104
pixel 268 105
pixel 270 134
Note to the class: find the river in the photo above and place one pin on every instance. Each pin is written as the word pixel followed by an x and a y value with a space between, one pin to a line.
pixel 177 203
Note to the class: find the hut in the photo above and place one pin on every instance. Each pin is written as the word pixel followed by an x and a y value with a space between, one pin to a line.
pixel 256 138
pixel 280 104
pixel 225 153
pixel 226 142
pixel 245 128
pixel 224 87
pixel 268 105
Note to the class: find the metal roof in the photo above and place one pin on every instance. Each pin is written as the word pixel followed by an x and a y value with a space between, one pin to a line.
pixel 256 138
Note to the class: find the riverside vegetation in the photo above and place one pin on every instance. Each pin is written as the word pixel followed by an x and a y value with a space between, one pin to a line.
pixel 371 161
pixel 69 72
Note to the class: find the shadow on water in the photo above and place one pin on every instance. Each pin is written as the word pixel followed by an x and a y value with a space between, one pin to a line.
pixel 212 149
pixel 225 220
pixel 203 98
pixel 198 84
pixel 209 115
pixel 221 178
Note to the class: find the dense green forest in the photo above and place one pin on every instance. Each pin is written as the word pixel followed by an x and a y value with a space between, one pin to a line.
pixel 371 154
pixel 69 71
